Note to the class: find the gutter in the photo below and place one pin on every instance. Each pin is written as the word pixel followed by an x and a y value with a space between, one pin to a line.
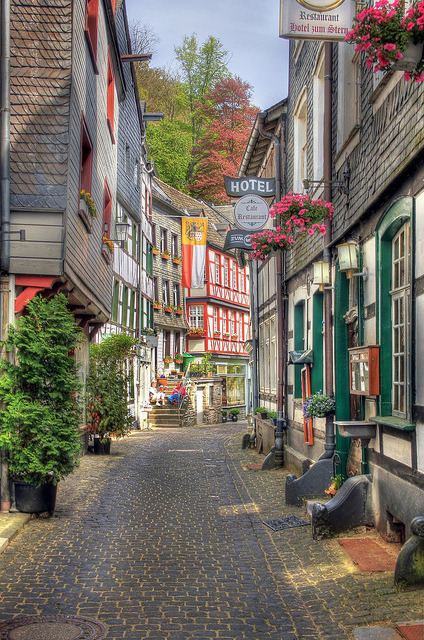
pixel 281 314
pixel 5 137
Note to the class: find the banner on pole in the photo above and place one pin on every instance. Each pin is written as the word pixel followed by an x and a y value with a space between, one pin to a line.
pixel 194 237
pixel 316 19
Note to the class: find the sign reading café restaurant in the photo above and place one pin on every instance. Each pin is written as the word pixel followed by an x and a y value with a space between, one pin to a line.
pixel 316 19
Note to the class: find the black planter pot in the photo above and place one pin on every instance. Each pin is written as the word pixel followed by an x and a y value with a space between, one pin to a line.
pixel 101 448
pixel 224 418
pixel 234 418
pixel 30 499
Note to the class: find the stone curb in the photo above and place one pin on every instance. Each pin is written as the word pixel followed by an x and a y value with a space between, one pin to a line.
pixel 10 525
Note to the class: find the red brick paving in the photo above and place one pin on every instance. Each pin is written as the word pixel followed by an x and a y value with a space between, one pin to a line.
pixel 368 555
pixel 412 631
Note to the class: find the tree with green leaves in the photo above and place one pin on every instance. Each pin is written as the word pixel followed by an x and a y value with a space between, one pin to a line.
pixel 201 65
pixel 108 385
pixel 39 426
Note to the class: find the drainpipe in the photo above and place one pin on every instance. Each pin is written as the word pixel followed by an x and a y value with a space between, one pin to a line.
pixel 282 343
pixel 330 443
pixel 4 206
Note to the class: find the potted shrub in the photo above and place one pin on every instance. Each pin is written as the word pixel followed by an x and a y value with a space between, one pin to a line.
pixel 263 413
pixel 273 416
pixel 390 37
pixel 234 413
pixel 296 213
pixel 224 415
pixel 318 405
pixel 107 388
pixel 39 426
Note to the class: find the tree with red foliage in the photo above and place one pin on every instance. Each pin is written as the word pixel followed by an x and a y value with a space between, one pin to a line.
pixel 228 117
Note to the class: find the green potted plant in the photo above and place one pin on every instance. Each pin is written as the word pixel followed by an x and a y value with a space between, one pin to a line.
pixel 263 413
pixel 39 424
pixel 165 254
pixel 179 358
pixel 224 415
pixel 318 405
pixel 234 413
pixel 107 388
pixel 273 416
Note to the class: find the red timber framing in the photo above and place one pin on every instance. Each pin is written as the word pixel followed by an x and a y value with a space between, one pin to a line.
pixel 33 285
pixel 216 278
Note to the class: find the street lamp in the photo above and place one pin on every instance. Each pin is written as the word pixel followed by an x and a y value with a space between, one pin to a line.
pixel 121 229
pixel 348 258
pixel 321 274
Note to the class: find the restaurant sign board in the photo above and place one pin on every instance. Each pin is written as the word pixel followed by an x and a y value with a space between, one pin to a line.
pixel 316 19
pixel 251 213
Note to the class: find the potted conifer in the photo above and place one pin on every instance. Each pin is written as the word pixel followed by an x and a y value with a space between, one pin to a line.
pixel 39 426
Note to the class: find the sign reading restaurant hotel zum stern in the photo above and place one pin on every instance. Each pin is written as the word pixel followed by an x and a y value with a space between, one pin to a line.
pixel 316 19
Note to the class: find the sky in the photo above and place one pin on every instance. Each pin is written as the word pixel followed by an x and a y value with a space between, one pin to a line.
pixel 248 29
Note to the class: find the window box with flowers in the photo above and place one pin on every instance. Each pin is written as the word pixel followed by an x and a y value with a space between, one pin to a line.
pixel 87 209
pixel 165 255
pixel 196 332
pixel 179 310
pixel 176 260
pixel 295 214
pixel 226 336
pixel 157 305
pixel 179 358
pixel 391 38
pixel 234 336
pixel 169 308
pixel 217 334
pixel 155 251
pixel 107 249
pixel 168 359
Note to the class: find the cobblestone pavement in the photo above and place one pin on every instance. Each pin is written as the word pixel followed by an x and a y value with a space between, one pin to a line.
pixel 164 539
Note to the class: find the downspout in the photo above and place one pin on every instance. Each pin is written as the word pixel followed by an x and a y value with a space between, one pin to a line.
pixel 4 207
pixel 282 343
pixel 330 442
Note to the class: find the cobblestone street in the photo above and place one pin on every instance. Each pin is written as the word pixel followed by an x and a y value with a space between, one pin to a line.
pixel 164 539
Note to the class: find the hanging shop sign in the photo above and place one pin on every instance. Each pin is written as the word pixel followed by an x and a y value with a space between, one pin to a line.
pixel 238 187
pixel 237 239
pixel 316 19
pixel 251 213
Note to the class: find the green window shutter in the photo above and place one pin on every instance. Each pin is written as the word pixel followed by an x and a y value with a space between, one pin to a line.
pixel 132 301
pixel 135 240
pixel 299 345
pixel 317 371
pixel 125 307
pixel 115 300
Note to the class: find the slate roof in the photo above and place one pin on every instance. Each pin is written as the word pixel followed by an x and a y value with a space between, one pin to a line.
pixel 41 42
pixel 185 203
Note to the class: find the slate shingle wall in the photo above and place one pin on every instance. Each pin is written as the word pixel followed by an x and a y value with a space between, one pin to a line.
pixel 41 39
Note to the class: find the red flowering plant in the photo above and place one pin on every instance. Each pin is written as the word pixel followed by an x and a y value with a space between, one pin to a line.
pixel 296 213
pixel 384 31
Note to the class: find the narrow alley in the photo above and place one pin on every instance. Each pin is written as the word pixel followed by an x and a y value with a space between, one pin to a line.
pixel 165 539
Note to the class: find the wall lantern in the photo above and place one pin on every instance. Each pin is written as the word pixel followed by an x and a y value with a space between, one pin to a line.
pixel 121 229
pixel 321 274
pixel 348 258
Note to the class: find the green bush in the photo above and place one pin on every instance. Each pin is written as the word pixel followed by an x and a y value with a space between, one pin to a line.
pixel 272 414
pixel 234 412
pixel 261 410
pixel 108 385
pixel 224 413
pixel 39 427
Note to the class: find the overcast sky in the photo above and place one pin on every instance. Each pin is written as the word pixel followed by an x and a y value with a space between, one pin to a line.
pixel 248 29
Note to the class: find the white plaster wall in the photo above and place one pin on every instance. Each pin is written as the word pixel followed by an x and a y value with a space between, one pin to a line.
pixel 419 230
pixel 397 449
pixel 370 289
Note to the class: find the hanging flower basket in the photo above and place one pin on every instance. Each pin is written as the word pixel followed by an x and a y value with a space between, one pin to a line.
pixel 157 305
pixel 295 214
pixel 155 251
pixel 391 38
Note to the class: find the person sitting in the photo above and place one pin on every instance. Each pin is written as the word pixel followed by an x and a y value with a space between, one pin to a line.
pixel 177 393
pixel 156 395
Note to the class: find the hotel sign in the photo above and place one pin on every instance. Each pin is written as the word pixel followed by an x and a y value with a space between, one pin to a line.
pixel 238 187
pixel 316 19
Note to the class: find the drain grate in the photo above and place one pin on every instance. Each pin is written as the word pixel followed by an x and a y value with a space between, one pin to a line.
pixel 52 628
pixel 285 523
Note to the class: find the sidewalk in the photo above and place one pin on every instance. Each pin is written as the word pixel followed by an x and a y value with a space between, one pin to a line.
pixel 10 525
pixel 323 569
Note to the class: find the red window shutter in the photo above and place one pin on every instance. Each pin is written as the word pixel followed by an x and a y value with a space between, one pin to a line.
pixel 91 23
pixel 86 158
pixel 107 210
pixel 110 93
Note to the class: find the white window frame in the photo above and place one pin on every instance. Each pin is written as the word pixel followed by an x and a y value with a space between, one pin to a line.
pixel 196 315
pixel 300 122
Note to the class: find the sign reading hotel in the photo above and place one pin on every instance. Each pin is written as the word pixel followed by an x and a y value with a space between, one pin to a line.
pixel 238 187
pixel 316 19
